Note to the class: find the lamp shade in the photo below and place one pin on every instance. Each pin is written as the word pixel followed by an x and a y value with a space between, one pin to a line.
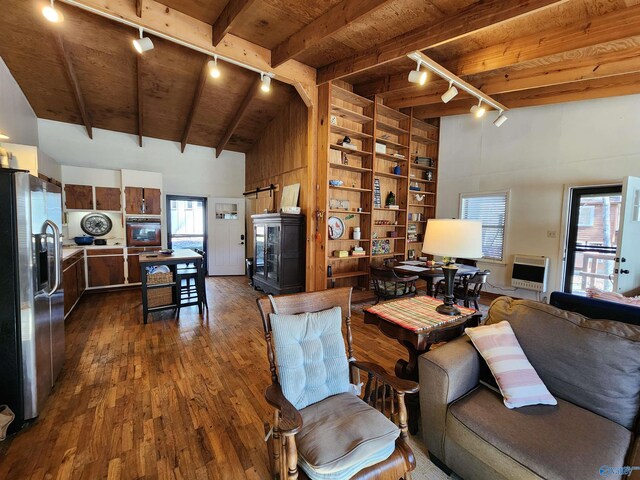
pixel 453 238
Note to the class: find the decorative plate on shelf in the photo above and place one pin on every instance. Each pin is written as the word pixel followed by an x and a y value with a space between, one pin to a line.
pixel 336 228
pixel 96 224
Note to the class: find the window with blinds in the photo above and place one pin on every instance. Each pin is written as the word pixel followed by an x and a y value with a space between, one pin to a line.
pixel 491 209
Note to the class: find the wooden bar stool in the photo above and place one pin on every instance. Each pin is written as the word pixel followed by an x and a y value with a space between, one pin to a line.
pixel 191 284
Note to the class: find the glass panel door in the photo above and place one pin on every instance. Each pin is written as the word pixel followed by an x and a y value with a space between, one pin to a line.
pixel 594 220
pixel 273 252
pixel 259 250
pixel 187 222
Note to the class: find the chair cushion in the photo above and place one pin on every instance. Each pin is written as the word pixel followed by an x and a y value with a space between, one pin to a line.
pixel 341 435
pixel 559 442
pixel 310 355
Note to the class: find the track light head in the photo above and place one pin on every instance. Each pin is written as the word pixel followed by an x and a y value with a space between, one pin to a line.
pixel 501 119
pixel 478 110
pixel 214 71
pixel 142 44
pixel 51 14
pixel 418 76
pixel 266 82
pixel 450 93
pixel 3 136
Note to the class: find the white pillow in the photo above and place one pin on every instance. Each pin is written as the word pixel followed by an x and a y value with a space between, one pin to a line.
pixel 310 356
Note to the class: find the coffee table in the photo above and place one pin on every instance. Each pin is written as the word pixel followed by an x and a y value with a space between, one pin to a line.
pixel 416 325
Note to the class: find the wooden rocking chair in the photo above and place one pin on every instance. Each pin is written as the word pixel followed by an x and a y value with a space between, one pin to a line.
pixel 383 392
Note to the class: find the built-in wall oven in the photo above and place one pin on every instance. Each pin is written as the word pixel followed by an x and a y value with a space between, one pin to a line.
pixel 144 232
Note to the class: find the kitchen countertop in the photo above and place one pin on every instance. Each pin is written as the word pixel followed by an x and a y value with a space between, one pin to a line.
pixel 68 251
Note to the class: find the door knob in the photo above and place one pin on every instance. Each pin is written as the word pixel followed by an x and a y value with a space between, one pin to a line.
pixel 624 272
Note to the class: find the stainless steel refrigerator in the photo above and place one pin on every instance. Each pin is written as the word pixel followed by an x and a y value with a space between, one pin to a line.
pixel 31 295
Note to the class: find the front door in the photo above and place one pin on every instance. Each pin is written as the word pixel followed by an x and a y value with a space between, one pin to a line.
pixel 627 268
pixel 227 236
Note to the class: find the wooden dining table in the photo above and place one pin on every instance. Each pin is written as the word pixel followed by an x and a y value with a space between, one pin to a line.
pixel 431 274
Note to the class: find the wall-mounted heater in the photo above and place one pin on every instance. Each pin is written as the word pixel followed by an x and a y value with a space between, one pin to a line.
pixel 530 272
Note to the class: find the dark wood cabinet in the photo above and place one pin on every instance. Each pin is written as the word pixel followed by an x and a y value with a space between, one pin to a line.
pixel 133 262
pixel 73 280
pixel 108 198
pixel 279 253
pixel 79 197
pixel 105 267
pixel 142 200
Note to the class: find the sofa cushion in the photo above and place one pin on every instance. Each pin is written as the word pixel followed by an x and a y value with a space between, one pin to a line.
pixel 519 383
pixel 310 355
pixel 592 363
pixel 559 442
pixel 341 435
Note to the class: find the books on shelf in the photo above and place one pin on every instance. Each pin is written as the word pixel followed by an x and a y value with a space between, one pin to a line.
pixel 412 232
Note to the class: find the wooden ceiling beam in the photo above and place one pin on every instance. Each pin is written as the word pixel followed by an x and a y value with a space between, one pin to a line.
pixel 476 17
pixel 561 72
pixel 139 8
pixel 172 23
pixel 238 116
pixel 195 102
pixel 232 11
pixel 610 27
pixel 73 81
pixel 140 95
pixel 331 22
pixel 627 84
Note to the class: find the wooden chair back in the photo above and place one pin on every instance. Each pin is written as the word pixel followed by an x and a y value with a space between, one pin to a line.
pixel 300 303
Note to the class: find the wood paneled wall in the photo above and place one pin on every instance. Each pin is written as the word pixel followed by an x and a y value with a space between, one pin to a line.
pixel 279 157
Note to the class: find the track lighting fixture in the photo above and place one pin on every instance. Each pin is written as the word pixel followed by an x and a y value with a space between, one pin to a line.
pixel 501 119
pixel 418 76
pixel 51 14
pixel 450 93
pixel 214 71
pixel 3 136
pixel 478 110
pixel 142 44
pixel 266 82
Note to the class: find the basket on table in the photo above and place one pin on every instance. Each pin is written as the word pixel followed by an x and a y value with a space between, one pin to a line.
pixel 157 297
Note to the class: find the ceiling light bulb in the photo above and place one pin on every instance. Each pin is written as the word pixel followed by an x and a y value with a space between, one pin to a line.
pixel 142 44
pixel 478 110
pixel 500 120
pixel 51 14
pixel 418 76
pixel 266 83
pixel 4 136
pixel 449 94
pixel 214 71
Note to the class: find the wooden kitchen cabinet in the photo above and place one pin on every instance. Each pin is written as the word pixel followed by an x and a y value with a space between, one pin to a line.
pixel 143 201
pixel 105 267
pixel 79 197
pixel 133 262
pixel 108 198
pixel 73 280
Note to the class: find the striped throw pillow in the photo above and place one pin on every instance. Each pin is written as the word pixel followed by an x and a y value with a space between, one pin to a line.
pixel 519 383
pixel 593 292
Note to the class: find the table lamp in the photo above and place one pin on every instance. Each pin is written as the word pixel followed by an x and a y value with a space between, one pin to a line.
pixel 454 239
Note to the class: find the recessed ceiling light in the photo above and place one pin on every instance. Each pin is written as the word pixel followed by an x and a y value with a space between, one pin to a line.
pixel 51 14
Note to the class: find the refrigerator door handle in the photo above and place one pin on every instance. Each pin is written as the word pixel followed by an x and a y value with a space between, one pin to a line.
pixel 56 251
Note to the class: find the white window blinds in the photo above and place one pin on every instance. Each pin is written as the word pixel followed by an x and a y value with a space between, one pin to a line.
pixel 491 209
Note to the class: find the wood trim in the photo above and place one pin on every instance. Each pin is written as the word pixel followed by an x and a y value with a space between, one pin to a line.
pixel 140 95
pixel 139 8
pixel 197 94
pixel 238 116
pixel 332 21
pixel 73 81
pixel 472 19
pixel 231 12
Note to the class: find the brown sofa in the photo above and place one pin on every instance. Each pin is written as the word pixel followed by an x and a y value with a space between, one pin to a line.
pixel 592 367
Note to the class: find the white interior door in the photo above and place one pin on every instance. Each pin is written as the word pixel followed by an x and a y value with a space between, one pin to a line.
pixel 627 271
pixel 226 236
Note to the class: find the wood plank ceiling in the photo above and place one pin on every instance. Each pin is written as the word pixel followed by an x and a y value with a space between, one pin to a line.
pixel 521 52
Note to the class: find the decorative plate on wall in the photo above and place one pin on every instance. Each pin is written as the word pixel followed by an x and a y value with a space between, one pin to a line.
pixel 336 228
pixel 96 224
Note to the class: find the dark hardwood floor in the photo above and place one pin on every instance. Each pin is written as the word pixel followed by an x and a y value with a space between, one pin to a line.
pixel 172 399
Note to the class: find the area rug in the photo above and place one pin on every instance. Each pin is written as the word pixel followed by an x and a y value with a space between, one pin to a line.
pixel 425 468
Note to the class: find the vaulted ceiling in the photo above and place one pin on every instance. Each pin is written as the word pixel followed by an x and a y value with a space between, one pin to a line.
pixel 520 52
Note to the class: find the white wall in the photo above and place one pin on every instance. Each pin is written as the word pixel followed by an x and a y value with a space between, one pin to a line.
pixel 538 152
pixel 196 172
pixel 16 115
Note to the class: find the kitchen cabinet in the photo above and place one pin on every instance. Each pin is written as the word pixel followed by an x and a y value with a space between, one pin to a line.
pixel 133 262
pixel 105 267
pixel 73 280
pixel 142 201
pixel 78 197
pixel 108 198
pixel 279 253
